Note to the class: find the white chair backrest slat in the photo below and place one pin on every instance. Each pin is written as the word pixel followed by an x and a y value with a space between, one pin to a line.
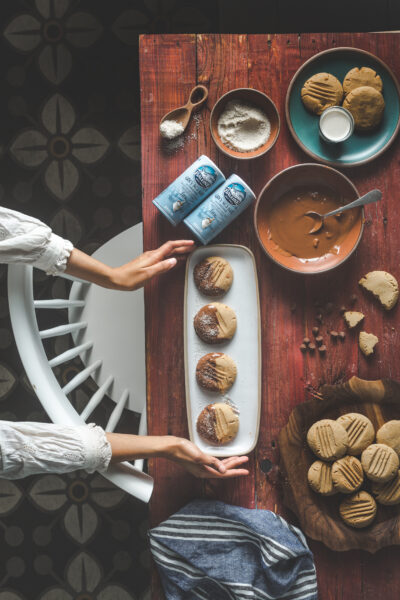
pixel 96 398
pixel 57 303
pixel 70 354
pixel 81 377
pixel 117 412
pixel 61 330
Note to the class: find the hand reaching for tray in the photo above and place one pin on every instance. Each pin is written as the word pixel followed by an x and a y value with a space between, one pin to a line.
pixel 132 275
pixel 204 465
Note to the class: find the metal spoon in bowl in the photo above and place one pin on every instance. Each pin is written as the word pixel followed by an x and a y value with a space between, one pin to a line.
pixel 368 198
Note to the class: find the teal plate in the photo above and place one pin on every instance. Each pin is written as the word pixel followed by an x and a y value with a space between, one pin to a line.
pixel 360 147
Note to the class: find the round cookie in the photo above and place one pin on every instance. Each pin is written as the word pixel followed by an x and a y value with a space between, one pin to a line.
pixel 358 510
pixel 383 286
pixel 320 478
pixel 366 105
pixel 321 91
pixel 388 493
pixel 359 77
pixel 328 439
pixel 215 323
pixel 389 434
pixel 380 463
pixel 347 474
pixel 360 431
pixel 218 423
pixel 213 276
pixel 216 372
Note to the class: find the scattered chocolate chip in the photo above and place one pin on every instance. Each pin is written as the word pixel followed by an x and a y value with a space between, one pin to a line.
pixel 306 341
pixel 322 349
pixel 311 347
pixel 319 318
pixel 303 348
pixel 393 329
pixel 319 340
pixel 334 334
pixel 329 307
pixel 343 309
pixel 342 335
pixel 353 299
pixel 315 330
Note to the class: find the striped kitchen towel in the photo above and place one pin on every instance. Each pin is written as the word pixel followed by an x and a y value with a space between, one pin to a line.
pixel 214 551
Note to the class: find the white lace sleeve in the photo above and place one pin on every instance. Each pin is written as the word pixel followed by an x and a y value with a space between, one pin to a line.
pixel 27 448
pixel 28 240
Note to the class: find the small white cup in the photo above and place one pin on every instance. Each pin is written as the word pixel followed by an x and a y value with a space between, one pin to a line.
pixel 336 124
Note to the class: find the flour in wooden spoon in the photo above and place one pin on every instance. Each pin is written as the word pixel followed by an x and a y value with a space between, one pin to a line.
pixel 243 127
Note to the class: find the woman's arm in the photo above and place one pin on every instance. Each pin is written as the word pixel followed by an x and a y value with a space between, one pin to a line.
pixel 133 274
pixel 28 240
pixel 184 452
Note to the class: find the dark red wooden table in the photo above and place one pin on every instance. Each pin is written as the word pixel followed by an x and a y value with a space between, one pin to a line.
pixel 170 65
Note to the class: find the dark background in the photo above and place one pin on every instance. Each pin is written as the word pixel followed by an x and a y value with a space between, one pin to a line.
pixel 93 541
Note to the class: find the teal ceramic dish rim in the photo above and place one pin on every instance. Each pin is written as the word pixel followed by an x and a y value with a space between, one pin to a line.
pixel 305 148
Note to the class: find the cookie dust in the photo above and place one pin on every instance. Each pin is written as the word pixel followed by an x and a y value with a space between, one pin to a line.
pixel 243 127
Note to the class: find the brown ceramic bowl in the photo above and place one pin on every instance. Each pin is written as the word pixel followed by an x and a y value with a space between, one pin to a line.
pixel 306 175
pixel 250 96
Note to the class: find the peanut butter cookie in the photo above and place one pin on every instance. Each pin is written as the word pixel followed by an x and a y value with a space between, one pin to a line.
pixel 380 462
pixel 359 510
pixel 321 91
pixel 366 105
pixel 359 77
pixel 328 439
pixel 360 431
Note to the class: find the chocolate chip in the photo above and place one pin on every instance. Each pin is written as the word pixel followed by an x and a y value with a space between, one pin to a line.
pixel 329 307
pixel 343 309
pixel 322 349
pixel 311 347
pixel 342 335
pixel 334 334
pixel 353 299
pixel 315 330
pixel 319 318
pixel 319 340
pixel 303 348
pixel 306 341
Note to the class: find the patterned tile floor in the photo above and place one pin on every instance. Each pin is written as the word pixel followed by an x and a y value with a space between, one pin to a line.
pixel 70 155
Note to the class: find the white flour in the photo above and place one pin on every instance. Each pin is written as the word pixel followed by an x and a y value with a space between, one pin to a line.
pixel 243 127
pixel 171 129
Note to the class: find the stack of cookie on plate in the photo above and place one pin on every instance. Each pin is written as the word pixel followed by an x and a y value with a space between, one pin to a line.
pixel 337 444
pixel 215 323
pixel 360 93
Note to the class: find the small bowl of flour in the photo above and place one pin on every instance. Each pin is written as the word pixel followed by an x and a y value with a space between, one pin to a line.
pixel 244 123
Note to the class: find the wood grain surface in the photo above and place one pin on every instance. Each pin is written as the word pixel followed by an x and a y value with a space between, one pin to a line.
pixel 170 65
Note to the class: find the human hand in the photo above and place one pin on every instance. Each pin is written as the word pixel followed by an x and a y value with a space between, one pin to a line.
pixel 204 465
pixel 137 272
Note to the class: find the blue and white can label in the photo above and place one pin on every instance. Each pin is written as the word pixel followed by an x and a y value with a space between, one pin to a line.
pixel 189 189
pixel 220 209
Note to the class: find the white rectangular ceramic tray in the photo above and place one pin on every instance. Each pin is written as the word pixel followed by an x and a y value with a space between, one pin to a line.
pixel 244 348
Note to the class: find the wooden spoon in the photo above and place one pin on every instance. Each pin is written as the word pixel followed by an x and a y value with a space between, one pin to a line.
pixel 372 196
pixel 183 113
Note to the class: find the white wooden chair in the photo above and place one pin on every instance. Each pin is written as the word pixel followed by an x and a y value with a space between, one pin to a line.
pixel 107 329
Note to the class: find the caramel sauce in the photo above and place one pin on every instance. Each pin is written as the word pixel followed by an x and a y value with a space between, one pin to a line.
pixel 288 226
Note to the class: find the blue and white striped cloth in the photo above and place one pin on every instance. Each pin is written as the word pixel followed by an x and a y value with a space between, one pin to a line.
pixel 214 551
